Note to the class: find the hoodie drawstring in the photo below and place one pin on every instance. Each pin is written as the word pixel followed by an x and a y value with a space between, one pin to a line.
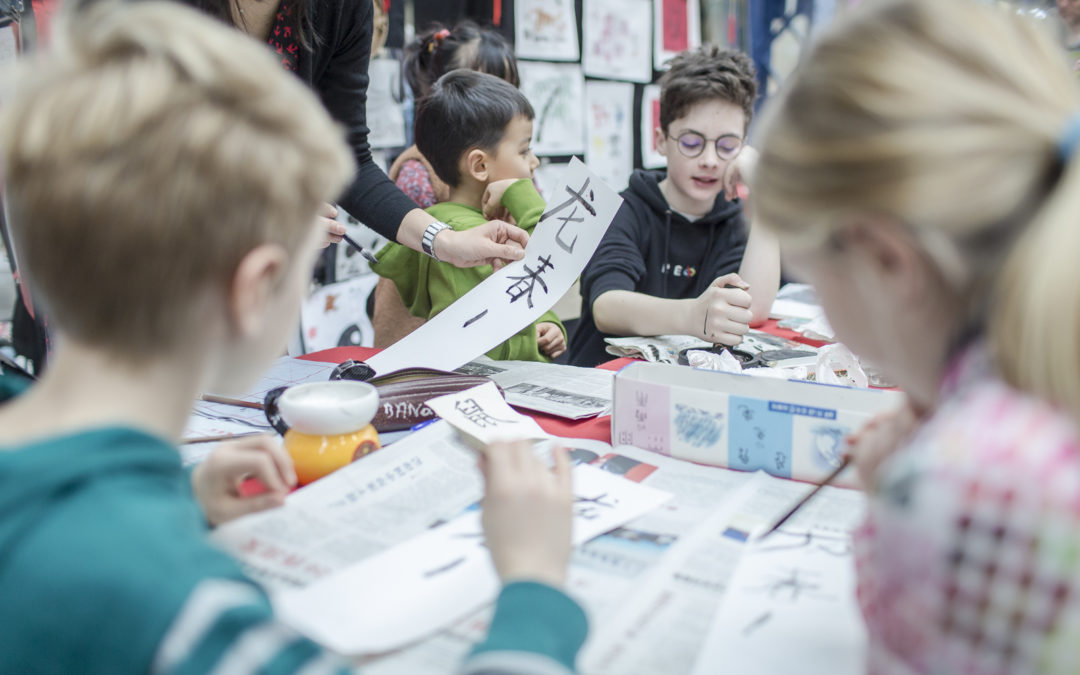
pixel 666 268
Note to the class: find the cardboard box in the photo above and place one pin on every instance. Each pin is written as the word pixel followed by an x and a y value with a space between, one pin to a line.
pixel 790 429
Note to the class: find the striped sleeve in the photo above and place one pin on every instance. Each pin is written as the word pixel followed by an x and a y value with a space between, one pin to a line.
pixel 536 630
pixel 227 626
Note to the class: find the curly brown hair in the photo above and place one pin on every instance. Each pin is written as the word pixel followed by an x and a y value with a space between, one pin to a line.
pixel 707 73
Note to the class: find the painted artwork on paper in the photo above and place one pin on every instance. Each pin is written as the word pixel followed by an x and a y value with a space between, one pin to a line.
pixel 557 93
pixel 618 40
pixel 650 120
pixel 545 29
pixel 676 28
pixel 610 131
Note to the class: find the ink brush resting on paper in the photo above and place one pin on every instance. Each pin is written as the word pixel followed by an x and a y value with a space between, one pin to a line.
pixel 239 403
pixel 802 502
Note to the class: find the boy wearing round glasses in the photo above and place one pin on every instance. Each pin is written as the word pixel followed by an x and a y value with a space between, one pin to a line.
pixel 679 257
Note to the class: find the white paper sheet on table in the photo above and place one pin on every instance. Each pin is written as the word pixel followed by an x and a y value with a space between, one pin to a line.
pixel 428 582
pixel 358 511
pixel 618 39
pixel 791 608
pixel 564 391
pixel 577 216
pixel 545 29
pixel 665 624
pixel 482 414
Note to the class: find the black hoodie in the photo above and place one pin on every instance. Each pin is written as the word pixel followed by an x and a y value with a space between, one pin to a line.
pixel 652 249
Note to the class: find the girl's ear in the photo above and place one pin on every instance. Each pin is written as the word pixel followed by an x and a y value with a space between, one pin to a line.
pixel 476 164
pixel 889 252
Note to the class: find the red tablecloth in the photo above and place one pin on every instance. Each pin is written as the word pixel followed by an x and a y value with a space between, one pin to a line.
pixel 597 428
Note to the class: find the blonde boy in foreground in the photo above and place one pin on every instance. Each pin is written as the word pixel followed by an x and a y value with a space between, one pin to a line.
pixel 153 136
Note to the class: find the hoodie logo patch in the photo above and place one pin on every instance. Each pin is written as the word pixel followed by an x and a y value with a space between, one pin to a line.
pixel 679 271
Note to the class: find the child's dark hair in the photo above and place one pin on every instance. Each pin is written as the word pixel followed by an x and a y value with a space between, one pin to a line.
pixel 465 109
pixel 707 73
pixel 438 50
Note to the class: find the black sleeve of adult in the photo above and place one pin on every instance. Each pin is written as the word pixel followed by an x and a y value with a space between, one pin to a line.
pixel 372 198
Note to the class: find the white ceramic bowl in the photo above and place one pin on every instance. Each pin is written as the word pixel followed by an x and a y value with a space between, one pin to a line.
pixel 329 408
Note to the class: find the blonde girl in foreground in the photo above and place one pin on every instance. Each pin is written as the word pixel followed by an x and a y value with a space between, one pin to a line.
pixel 922 171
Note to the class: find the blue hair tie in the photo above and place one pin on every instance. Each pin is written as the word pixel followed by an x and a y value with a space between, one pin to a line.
pixel 1070 139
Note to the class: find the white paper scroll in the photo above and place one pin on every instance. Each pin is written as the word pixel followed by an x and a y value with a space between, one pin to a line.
pixel 426 583
pixel 578 214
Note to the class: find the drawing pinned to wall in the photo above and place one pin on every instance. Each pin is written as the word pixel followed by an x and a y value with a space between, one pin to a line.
pixel 650 121
pixel 677 27
pixel 618 40
pixel 556 92
pixel 545 29
pixel 385 112
pixel 609 123
pixel 336 315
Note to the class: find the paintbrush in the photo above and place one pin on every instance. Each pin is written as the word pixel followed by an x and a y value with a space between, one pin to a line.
pixel 239 403
pixel 213 439
pixel 802 502
pixel 360 249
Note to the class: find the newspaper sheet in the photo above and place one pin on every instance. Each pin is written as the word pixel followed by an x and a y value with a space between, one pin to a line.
pixel 357 511
pixel 564 391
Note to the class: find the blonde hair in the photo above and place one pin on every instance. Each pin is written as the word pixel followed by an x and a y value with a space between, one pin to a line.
pixel 144 155
pixel 944 115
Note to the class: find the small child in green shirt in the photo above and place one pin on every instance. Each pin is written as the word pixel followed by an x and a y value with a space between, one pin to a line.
pixel 476 130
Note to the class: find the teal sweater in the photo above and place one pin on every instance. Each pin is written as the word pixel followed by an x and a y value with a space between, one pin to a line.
pixel 105 567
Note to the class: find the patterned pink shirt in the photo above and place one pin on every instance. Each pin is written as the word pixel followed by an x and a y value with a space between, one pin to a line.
pixel 969 561
pixel 415 182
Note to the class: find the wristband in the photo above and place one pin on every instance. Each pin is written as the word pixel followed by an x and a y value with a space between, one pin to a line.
pixel 427 243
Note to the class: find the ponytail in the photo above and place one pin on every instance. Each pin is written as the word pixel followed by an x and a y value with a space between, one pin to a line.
pixel 1035 332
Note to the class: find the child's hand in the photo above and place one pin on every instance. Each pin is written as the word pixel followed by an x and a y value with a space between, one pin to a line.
pixel 491 202
pixel 216 482
pixel 881 437
pixel 549 337
pixel 334 229
pixel 527 512
pixel 739 170
pixel 721 315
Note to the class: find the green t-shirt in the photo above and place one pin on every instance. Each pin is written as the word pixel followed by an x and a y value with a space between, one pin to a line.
pixel 428 287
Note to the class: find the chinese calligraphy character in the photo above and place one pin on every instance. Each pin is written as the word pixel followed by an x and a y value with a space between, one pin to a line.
pixel 525 284
pixel 477 415
pixel 577 198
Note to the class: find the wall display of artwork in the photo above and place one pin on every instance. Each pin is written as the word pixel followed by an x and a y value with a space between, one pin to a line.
pixel 609 124
pixel 556 92
pixel 618 39
pixel 545 29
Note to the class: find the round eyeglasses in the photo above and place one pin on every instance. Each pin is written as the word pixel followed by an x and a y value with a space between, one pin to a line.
pixel 692 144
